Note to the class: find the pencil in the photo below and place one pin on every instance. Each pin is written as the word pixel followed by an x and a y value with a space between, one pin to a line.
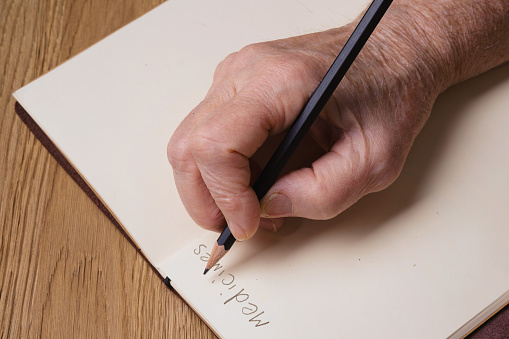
pixel 308 114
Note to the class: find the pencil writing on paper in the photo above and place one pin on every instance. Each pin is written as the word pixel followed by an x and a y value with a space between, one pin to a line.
pixel 233 294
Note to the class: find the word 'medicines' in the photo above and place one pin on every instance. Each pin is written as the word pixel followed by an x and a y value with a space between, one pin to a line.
pixel 237 295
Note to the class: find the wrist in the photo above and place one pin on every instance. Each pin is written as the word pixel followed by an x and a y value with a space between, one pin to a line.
pixel 408 47
pixel 455 39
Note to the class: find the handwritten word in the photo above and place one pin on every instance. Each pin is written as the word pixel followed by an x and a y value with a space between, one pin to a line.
pixel 227 282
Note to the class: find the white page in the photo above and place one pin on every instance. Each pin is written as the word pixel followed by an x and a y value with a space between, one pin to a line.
pixel 112 109
pixel 432 248
pixel 418 260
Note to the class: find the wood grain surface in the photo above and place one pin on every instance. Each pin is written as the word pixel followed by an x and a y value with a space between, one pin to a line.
pixel 65 270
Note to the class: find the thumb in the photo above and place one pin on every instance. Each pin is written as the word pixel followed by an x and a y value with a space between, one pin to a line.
pixel 333 183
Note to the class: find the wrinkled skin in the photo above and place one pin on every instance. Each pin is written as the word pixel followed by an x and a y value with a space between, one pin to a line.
pixel 366 129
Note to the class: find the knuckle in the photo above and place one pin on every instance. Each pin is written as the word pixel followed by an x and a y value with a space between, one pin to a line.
pixel 234 198
pixel 298 67
pixel 205 143
pixel 303 70
pixel 211 219
pixel 259 57
pixel 386 168
pixel 228 201
pixel 328 204
pixel 243 58
pixel 332 195
pixel 177 152
pixel 250 51
pixel 230 58
pixel 225 65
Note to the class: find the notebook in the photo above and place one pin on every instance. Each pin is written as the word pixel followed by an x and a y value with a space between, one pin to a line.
pixel 426 258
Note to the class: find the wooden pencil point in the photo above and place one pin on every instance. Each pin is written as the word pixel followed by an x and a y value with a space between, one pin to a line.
pixel 217 253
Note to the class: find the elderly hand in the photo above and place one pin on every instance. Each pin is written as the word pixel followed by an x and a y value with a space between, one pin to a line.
pixel 367 128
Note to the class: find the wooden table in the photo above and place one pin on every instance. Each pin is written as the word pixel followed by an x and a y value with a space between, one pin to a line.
pixel 65 270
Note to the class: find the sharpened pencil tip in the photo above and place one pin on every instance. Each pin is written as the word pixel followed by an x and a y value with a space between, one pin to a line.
pixel 215 255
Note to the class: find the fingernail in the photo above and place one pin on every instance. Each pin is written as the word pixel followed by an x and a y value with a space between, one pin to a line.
pixel 277 205
pixel 238 231
pixel 268 224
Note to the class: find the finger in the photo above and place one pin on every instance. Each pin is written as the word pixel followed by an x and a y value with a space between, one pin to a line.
pixel 193 192
pixel 333 183
pixel 222 144
pixel 197 200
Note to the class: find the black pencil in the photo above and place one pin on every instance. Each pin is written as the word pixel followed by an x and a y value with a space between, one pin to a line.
pixel 308 114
